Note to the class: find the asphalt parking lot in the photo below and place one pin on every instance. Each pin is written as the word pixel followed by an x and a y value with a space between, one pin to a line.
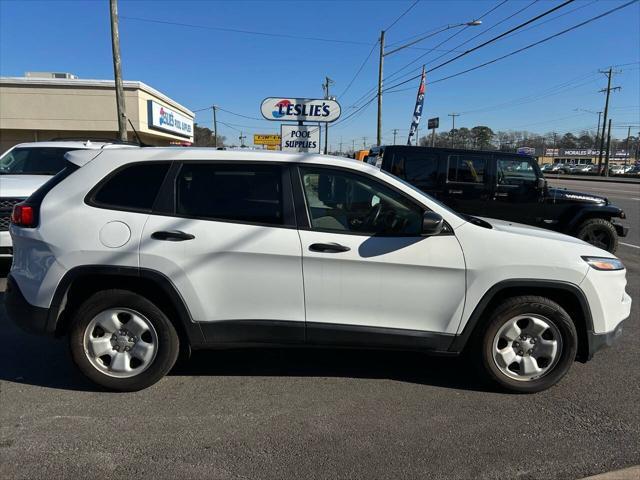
pixel 319 414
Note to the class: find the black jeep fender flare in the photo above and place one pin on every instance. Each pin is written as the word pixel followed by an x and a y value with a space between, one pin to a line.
pixel 606 212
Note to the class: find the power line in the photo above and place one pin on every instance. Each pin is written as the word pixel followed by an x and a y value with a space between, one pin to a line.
pixel 531 45
pixel 359 70
pixel 246 32
pixel 402 14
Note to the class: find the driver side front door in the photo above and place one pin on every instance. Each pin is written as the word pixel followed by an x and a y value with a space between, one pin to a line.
pixel 370 277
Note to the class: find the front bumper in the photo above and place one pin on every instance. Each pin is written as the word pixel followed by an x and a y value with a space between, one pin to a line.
pixel 27 317
pixel 598 341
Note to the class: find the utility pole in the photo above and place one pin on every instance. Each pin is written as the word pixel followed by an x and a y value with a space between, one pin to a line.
pixel 380 68
pixel 453 127
pixel 364 143
pixel 215 127
pixel 597 130
pixel 117 71
pixel 395 132
pixel 325 86
pixel 433 138
pixel 609 75
pixel 340 145
pixel 628 157
pixel 242 138
pixel 353 147
pixel 606 158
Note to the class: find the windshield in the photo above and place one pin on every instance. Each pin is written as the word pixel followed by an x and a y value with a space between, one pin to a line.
pixel 415 189
pixel 33 161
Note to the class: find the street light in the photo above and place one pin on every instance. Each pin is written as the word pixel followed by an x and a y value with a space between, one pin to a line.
pixel 472 23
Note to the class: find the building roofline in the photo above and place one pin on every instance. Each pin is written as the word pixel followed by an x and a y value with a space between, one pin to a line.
pixel 82 82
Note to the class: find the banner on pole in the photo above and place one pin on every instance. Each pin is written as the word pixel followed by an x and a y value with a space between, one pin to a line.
pixel 417 112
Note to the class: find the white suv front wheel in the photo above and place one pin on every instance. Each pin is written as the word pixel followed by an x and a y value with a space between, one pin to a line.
pixel 529 344
pixel 122 341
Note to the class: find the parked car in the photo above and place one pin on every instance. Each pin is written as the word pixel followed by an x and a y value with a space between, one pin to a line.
pixel 174 248
pixel 24 168
pixel 617 170
pixel 589 168
pixel 546 167
pixel 487 184
pixel 560 168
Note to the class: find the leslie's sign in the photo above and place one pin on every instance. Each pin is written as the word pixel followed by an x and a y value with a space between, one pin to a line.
pixel 300 109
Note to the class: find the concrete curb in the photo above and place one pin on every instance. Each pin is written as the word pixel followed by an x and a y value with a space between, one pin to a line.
pixel 631 473
pixel 593 178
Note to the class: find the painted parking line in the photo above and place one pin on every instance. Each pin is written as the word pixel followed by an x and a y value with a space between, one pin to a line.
pixel 629 245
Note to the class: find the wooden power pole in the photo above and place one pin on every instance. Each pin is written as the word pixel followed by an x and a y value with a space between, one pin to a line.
pixel 117 71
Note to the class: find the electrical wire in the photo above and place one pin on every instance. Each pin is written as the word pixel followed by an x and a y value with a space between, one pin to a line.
pixel 526 47
pixel 246 32
pixel 359 70
pixel 402 15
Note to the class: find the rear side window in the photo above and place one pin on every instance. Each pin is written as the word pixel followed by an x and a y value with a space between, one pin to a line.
pixel 133 188
pixel 419 169
pixel 466 168
pixel 242 193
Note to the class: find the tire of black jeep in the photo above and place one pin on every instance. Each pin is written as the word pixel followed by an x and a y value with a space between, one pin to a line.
pixel 600 233
pixel 528 345
pixel 122 341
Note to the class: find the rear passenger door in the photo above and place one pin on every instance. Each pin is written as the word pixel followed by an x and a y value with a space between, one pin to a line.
pixel 224 234
pixel 467 187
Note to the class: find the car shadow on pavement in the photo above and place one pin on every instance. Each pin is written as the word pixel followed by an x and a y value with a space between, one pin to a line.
pixel 46 362
pixel 402 366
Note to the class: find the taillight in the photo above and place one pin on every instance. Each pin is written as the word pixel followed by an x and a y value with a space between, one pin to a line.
pixel 23 216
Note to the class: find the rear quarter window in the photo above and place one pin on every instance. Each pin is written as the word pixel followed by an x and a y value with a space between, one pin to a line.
pixel 134 187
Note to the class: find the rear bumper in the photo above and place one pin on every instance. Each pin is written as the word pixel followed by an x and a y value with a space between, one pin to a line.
pixel 27 317
pixel 598 341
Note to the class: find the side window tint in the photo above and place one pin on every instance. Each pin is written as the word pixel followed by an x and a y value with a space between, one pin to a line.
pixel 515 172
pixel 345 202
pixel 466 168
pixel 417 169
pixel 134 187
pixel 244 193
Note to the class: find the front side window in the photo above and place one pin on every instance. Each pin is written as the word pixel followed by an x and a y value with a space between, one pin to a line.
pixel 515 172
pixel 242 193
pixel 466 168
pixel 135 187
pixel 346 202
pixel 33 161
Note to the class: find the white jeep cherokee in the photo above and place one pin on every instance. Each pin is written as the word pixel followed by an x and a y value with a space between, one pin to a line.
pixel 26 166
pixel 134 254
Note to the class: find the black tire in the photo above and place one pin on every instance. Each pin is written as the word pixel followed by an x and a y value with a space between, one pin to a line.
pixel 528 305
pixel 167 348
pixel 600 233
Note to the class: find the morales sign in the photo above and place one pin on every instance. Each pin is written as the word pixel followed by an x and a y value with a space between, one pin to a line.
pixel 300 109
pixel 167 120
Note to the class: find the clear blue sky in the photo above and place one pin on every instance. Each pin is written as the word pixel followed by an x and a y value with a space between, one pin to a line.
pixel 201 66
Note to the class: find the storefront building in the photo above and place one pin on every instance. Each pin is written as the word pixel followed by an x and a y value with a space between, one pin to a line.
pixel 44 106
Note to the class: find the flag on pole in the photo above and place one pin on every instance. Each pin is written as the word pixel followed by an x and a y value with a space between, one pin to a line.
pixel 417 112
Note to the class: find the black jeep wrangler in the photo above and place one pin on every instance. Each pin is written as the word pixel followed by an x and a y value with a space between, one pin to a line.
pixel 505 186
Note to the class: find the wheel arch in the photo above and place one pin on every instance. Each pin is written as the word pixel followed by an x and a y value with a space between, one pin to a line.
pixel 584 214
pixel 568 295
pixel 81 282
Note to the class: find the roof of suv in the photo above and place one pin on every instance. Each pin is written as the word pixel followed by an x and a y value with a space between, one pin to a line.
pixel 80 157
pixel 84 145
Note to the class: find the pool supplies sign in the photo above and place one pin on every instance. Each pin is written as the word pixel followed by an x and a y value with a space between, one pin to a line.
pixel 300 138
pixel 300 109
pixel 168 120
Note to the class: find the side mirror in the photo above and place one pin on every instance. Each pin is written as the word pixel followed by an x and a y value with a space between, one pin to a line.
pixel 432 223
pixel 541 183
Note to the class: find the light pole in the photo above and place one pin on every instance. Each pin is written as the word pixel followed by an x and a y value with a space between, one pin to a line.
pixel 473 23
